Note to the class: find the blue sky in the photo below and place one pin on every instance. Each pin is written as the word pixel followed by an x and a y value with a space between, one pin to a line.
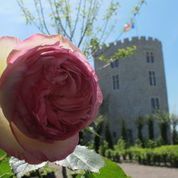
pixel 156 19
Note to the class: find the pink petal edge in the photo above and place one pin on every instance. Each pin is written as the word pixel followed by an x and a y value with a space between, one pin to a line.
pixel 7 44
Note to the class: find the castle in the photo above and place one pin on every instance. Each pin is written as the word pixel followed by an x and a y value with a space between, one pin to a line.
pixel 134 86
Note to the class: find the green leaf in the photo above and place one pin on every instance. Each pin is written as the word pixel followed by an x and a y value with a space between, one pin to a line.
pixel 6 175
pixel 2 154
pixel 120 53
pixel 83 159
pixel 91 130
pixel 5 169
pixel 110 170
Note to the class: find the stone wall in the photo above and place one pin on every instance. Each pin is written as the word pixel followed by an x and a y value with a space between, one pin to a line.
pixel 133 98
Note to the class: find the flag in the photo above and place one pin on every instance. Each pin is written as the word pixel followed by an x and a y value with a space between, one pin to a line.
pixel 127 27
pixel 132 21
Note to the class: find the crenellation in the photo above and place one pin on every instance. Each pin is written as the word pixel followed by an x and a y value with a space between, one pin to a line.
pixel 135 39
pixel 150 39
pixel 120 43
pixel 126 40
pixel 115 43
pixel 157 40
pixel 131 41
pixel 143 38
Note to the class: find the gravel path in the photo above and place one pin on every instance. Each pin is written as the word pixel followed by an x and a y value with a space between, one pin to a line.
pixel 140 171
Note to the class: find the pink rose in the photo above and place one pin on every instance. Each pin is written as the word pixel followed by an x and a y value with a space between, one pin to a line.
pixel 48 93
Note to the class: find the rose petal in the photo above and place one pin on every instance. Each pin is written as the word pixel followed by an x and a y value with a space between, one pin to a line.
pixel 7 44
pixel 36 152
pixel 8 141
pixel 45 151
pixel 41 40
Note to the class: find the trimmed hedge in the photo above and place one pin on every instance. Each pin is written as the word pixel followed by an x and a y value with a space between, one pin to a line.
pixel 162 156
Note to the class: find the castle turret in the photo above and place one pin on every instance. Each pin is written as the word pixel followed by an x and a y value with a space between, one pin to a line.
pixel 134 86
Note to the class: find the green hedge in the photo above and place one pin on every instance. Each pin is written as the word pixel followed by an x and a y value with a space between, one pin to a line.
pixel 163 155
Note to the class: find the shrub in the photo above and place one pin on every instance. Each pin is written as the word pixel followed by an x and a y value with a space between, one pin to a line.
pixel 163 155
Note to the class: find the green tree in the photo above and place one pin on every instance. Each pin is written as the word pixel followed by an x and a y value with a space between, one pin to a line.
pixel 87 23
pixel 150 123
pixel 140 123
pixel 82 21
pixel 121 145
pixel 108 136
pixel 163 119
pixel 124 131
pixel 174 123
pixel 98 127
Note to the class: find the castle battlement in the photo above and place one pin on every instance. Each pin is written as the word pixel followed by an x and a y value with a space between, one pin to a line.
pixel 134 40
pixel 138 41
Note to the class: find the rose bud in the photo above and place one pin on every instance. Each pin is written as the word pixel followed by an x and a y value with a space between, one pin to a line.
pixel 48 93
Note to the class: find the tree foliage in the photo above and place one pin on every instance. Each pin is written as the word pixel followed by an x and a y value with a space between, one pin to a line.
pixel 174 123
pixel 87 23
pixel 140 124
pixel 82 21
pixel 124 131
pixel 163 119
pixel 150 121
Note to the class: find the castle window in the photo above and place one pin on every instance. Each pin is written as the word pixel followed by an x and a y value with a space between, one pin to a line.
pixel 115 80
pixel 114 134
pixel 112 64
pixel 152 78
pixel 149 57
pixel 115 63
pixel 155 104
pixel 152 57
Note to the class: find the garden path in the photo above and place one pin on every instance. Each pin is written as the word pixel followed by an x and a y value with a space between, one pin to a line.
pixel 140 171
